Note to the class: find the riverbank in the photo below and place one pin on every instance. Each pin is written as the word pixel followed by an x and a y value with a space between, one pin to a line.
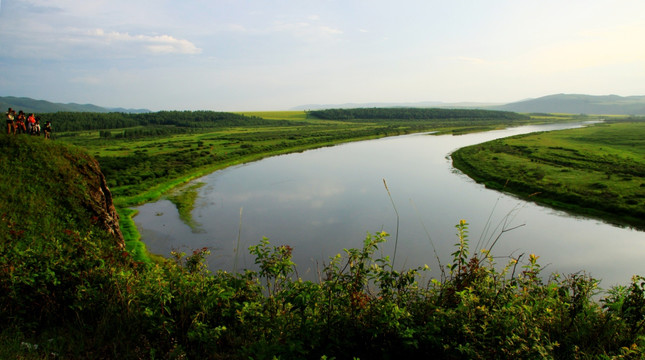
pixel 124 204
pixel 597 171
pixel 324 200
pixel 143 162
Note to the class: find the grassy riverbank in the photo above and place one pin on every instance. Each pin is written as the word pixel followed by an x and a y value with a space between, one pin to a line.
pixel 145 156
pixel 597 171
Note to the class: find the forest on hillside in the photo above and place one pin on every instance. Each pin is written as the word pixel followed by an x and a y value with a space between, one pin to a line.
pixel 79 121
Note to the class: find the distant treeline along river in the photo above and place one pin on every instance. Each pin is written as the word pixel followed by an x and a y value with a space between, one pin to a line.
pixel 322 201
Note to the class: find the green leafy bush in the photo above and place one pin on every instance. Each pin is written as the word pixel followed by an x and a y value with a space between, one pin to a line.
pixel 361 307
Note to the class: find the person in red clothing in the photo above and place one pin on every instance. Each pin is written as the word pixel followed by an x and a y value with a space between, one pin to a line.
pixel 31 120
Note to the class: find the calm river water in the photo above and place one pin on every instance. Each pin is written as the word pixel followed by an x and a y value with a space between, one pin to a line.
pixel 322 201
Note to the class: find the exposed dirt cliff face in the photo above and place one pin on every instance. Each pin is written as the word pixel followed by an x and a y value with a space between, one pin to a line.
pixel 99 200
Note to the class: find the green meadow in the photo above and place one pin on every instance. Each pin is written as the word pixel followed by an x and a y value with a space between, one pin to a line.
pixel 277 115
pixel 597 170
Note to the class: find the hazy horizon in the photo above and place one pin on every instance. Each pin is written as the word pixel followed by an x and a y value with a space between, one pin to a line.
pixel 246 55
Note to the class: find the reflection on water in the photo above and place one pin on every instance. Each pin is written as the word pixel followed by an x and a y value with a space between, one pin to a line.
pixel 322 201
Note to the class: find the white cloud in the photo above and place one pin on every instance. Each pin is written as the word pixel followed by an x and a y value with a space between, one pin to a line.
pixel 330 31
pixel 158 44
pixel 171 45
pixel 96 43
pixel 290 27
pixel 68 29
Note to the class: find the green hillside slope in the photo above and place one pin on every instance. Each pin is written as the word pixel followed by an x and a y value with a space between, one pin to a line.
pixel 51 188
pixel 580 104
pixel 59 239
pixel 30 105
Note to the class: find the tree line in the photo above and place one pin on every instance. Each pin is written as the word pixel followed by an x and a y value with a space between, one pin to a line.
pixel 414 114
pixel 79 121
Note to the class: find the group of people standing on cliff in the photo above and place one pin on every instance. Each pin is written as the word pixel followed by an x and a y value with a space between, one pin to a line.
pixel 22 124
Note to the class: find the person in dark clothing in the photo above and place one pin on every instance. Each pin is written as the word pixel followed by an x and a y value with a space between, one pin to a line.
pixel 36 128
pixel 19 123
pixel 10 118
pixel 48 130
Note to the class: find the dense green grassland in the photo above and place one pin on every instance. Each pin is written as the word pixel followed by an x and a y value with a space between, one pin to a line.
pixel 597 170
pixel 278 115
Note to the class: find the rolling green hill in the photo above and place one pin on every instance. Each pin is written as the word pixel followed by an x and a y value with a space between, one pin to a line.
pixel 580 104
pixel 30 105
pixel 557 103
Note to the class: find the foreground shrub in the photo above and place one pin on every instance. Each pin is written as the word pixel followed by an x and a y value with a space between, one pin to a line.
pixel 112 307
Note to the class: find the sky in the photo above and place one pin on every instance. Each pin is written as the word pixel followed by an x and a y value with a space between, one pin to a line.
pixel 258 55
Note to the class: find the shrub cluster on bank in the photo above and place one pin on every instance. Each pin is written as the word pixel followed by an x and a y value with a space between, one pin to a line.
pixel 77 298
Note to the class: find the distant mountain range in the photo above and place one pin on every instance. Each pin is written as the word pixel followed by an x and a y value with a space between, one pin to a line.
pixel 29 105
pixel 559 103
pixel 580 104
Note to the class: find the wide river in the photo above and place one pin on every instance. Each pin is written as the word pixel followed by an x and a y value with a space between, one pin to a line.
pixel 322 201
